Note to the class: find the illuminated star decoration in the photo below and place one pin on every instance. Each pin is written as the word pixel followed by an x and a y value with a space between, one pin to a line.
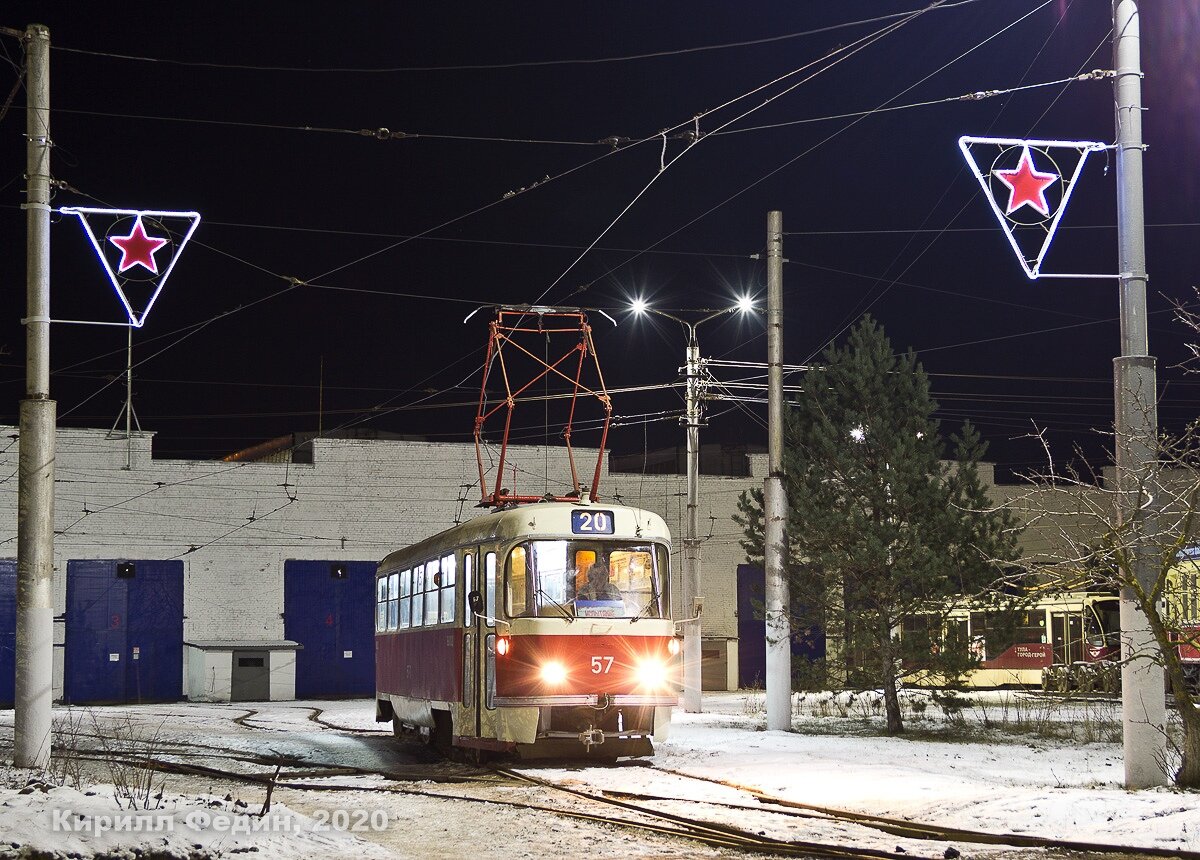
pixel 137 249
pixel 1026 185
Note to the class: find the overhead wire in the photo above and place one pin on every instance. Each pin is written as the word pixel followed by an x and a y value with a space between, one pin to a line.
pixel 520 64
pixel 435 228
pixel 865 305
pixel 810 149
pixel 833 58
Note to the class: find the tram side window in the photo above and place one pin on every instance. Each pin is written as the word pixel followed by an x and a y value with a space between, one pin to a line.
pixel 489 587
pixel 921 633
pixel 418 596
pixel 551 563
pixel 405 598
pixel 381 604
pixel 517 578
pixel 431 591
pixel 469 585
pixel 393 599
pixel 447 613
pixel 1186 594
pixel 1000 632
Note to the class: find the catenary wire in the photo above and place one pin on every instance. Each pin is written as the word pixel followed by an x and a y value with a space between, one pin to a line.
pixel 518 65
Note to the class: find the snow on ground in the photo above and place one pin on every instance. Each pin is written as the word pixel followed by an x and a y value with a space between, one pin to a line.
pixel 1012 783
pixel 1007 764
pixel 47 822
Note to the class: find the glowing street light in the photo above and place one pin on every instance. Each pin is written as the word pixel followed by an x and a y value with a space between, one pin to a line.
pixel 692 602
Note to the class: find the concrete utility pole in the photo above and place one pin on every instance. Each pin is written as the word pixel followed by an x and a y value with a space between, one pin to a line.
pixel 1136 390
pixel 35 487
pixel 778 627
pixel 693 418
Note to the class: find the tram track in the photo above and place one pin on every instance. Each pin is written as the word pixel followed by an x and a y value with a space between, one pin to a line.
pixel 892 826
pixel 642 811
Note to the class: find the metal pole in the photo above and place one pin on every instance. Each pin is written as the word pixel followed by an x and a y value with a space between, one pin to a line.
pixel 691 543
pixel 1135 392
pixel 129 398
pixel 35 485
pixel 778 626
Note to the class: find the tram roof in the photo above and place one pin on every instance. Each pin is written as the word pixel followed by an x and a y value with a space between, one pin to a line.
pixel 547 519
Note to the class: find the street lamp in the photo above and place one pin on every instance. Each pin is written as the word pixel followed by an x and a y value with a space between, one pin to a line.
pixel 692 602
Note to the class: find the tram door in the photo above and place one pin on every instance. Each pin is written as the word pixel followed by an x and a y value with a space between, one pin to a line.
pixel 479 647
pixel 1067 636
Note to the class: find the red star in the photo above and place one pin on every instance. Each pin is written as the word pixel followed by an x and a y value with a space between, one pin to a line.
pixel 1026 185
pixel 137 249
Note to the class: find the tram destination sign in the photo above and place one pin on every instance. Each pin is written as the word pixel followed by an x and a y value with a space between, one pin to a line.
pixel 591 522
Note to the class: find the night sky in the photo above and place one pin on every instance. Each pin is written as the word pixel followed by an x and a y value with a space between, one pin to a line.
pixel 250 113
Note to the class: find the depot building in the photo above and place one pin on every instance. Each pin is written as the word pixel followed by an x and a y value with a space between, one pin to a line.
pixel 253 578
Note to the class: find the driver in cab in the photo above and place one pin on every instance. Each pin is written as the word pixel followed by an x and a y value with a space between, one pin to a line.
pixel 596 584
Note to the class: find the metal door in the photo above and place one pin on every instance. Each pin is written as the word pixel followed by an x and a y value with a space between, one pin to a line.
pixel 329 608
pixel 124 631
pixel 1067 632
pixel 484 647
pixel 8 630
pixel 251 677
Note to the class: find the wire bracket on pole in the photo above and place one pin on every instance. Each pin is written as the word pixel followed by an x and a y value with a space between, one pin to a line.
pixel 521 352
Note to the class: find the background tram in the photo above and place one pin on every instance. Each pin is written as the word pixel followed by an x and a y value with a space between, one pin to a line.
pixel 542 630
pixel 1063 630
pixel 1063 642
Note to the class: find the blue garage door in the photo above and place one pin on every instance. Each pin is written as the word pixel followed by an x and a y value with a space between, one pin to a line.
pixel 329 608
pixel 8 630
pixel 807 645
pixel 124 632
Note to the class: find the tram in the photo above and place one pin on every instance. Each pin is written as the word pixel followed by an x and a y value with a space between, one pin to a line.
pixel 539 630
pixel 1073 629
pixel 1062 642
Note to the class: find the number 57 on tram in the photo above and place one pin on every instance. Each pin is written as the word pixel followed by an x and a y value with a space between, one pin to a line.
pixel 541 630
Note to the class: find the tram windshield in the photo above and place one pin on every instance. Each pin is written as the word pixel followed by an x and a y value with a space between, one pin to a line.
pixel 1103 623
pixel 587 579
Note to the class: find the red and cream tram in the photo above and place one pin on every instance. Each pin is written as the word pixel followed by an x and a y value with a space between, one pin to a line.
pixel 542 630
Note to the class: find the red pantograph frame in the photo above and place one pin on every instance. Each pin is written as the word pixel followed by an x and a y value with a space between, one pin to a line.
pixel 505 331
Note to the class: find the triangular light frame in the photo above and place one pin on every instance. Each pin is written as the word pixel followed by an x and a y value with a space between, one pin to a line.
pixel 1083 147
pixel 82 212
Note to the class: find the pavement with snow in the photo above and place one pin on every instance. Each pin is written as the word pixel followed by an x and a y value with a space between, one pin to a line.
pixel 1008 763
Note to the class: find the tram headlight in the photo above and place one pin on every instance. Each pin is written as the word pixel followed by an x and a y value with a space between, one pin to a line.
pixel 673 647
pixel 651 673
pixel 553 673
pixel 503 645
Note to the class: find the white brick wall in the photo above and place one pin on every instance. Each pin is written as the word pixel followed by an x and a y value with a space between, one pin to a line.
pixel 233 524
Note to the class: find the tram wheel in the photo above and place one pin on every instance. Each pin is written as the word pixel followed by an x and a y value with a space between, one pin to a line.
pixel 1085 681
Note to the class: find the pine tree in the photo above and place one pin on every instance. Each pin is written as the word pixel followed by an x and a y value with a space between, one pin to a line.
pixel 879 529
